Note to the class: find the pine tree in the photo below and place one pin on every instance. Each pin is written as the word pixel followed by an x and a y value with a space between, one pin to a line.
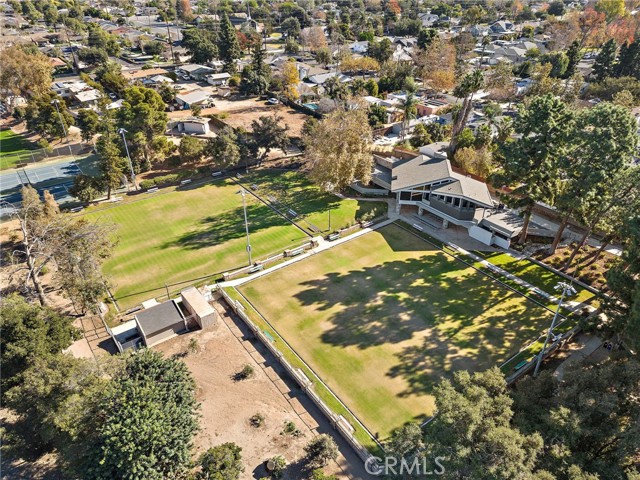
pixel 228 45
pixel 604 64
pixel 574 54
pixel 629 60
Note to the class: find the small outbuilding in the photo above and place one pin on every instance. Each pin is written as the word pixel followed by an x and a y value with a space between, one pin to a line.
pixel 159 323
pixel 199 308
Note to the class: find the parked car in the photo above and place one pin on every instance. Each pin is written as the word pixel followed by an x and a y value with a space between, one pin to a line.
pixel 273 101
pixel 113 96
pixel 185 77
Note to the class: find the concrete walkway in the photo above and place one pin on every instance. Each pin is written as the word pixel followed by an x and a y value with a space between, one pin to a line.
pixel 588 347
pixel 322 246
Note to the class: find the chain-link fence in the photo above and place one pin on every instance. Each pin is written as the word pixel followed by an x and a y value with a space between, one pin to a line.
pixel 30 157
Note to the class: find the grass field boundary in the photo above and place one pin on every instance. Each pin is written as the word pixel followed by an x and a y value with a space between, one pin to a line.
pixel 272 207
pixel 161 191
pixel 332 405
pixel 527 349
pixel 472 265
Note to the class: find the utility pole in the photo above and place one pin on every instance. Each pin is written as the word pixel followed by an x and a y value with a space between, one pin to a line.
pixel 246 224
pixel 567 289
pixel 122 131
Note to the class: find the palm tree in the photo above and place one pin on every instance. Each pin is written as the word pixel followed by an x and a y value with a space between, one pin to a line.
pixel 470 84
pixel 408 106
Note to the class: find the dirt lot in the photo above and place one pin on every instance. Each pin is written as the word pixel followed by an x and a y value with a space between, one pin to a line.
pixel 243 110
pixel 227 405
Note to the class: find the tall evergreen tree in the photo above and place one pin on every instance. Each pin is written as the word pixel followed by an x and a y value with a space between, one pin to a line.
pixel 629 60
pixel 257 75
pixel 604 65
pixel 147 422
pixel 228 45
pixel 574 54
pixel 530 163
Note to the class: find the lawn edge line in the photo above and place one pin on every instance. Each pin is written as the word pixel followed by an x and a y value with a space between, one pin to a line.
pixel 359 424
pixel 248 190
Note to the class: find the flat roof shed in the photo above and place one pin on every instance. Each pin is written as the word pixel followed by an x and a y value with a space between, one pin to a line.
pixel 159 323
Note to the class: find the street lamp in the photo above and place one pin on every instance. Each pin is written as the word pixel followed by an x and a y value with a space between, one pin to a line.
pixel 246 224
pixel 55 102
pixel 122 131
pixel 567 289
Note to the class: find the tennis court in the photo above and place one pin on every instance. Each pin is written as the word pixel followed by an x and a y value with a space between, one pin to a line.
pixel 56 178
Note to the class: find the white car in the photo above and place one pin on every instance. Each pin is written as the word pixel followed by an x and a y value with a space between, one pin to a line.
pixel 273 101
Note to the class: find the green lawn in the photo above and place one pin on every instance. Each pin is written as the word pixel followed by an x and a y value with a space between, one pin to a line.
pixel 12 148
pixel 294 190
pixel 185 235
pixel 382 318
pixel 534 274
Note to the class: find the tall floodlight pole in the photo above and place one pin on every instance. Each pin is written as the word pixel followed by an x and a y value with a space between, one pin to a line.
pixel 246 224
pixel 567 289
pixel 122 131
pixel 55 102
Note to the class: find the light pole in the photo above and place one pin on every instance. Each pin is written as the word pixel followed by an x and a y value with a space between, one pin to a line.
pixel 246 224
pixel 122 131
pixel 567 289
pixel 55 102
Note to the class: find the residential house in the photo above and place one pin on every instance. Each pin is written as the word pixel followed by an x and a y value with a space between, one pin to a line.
pixel 430 106
pixel 218 79
pixel 69 88
pixel 194 71
pixel 428 19
pixel 193 125
pixel 479 30
pixel 501 27
pixel 359 47
pixel 187 100
pixel 87 98
pixel 143 74
pixel 323 77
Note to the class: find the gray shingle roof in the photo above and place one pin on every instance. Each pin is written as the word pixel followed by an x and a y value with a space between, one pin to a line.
pixel 469 188
pixel 419 170
pixel 159 318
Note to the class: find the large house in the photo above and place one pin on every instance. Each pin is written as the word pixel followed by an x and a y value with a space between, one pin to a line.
pixel 441 193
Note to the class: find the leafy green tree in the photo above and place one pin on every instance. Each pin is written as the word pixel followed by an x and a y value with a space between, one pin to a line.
pixel 101 39
pixel 465 139
pixel 223 149
pixel 89 123
pixel 93 55
pixel 109 75
pixel 30 332
pixel 256 76
pixel 473 429
pixel 291 27
pixel 629 60
pixel 191 149
pixel 147 422
pixel 267 133
pixel 86 188
pixel 201 44
pixel 372 87
pixel 605 63
pixel 602 144
pixel 556 8
pixel 530 164
pixel 588 418
pixel 228 46
pixel 338 149
pixel 559 62
pixel 406 442
pixel 42 117
pixel 420 136
pixel 223 462
pixel 377 115
pixel 321 450
pixel 143 116
pixel 608 88
pixel 111 162
pixel 381 51
pixel 623 310
pixel 574 55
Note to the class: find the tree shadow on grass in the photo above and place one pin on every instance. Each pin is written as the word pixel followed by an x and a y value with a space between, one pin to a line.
pixel 229 225
pixel 466 320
